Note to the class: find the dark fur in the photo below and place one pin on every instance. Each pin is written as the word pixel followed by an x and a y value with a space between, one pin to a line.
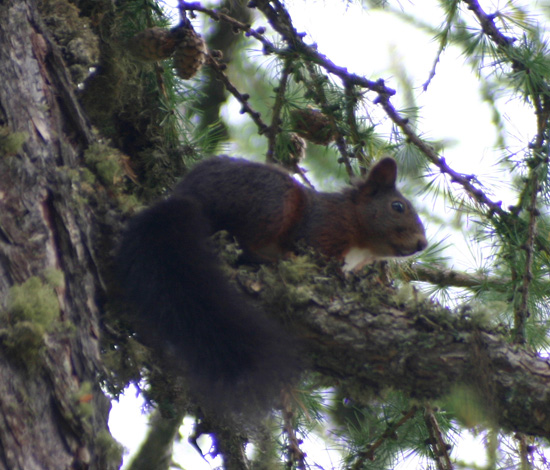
pixel 233 355
pixel 268 211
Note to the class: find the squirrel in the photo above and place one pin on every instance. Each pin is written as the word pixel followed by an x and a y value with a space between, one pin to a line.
pixel 231 353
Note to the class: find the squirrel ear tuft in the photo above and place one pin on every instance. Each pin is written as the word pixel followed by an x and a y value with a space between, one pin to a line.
pixel 383 175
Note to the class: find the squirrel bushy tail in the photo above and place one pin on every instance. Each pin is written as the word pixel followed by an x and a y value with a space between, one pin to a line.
pixel 232 355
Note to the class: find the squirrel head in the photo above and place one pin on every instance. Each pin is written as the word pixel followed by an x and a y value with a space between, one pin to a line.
pixel 389 225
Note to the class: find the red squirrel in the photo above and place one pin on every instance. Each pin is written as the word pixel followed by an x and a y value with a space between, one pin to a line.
pixel 230 351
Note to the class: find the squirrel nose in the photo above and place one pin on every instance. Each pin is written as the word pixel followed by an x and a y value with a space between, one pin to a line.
pixel 422 243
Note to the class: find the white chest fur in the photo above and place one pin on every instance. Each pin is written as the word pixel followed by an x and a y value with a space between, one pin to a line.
pixel 356 258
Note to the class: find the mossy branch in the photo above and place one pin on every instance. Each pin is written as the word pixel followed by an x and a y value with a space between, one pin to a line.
pixel 364 336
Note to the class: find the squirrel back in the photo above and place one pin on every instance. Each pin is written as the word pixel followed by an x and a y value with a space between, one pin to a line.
pixel 268 212
pixel 233 355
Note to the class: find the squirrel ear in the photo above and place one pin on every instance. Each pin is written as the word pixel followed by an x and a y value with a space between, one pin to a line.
pixel 381 176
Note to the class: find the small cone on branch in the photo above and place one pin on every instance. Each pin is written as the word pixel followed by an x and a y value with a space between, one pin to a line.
pixel 312 125
pixel 153 44
pixel 190 53
pixel 183 43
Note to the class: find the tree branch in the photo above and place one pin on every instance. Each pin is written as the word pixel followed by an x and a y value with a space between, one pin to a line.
pixel 156 450
pixel 488 24
pixel 218 70
pixel 437 441
pixel 364 336
pixel 445 277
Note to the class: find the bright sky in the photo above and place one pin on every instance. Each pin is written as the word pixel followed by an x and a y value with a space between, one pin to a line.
pixel 367 44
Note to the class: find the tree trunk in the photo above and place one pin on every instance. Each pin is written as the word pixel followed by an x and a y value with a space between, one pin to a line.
pixel 53 414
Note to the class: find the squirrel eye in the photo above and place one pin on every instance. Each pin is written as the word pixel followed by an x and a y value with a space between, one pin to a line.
pixel 398 206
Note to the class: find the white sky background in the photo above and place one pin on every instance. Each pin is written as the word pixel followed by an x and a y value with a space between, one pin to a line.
pixel 367 43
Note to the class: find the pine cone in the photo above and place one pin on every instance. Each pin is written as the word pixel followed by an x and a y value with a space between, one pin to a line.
pixel 190 53
pixel 312 125
pixel 153 44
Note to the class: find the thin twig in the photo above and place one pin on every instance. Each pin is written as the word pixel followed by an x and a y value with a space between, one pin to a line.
pixel 488 25
pixel 295 454
pixel 280 21
pixel 302 174
pixel 464 180
pixel 275 127
pixel 389 433
pixel 182 12
pixel 521 310
pixel 159 69
pixel 525 450
pixel 439 446
pixel 444 277
pixel 241 98
pixel 322 100
pixel 236 24
pixel 358 144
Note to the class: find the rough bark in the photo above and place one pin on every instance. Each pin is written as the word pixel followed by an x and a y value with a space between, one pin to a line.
pixel 362 337
pixel 52 411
